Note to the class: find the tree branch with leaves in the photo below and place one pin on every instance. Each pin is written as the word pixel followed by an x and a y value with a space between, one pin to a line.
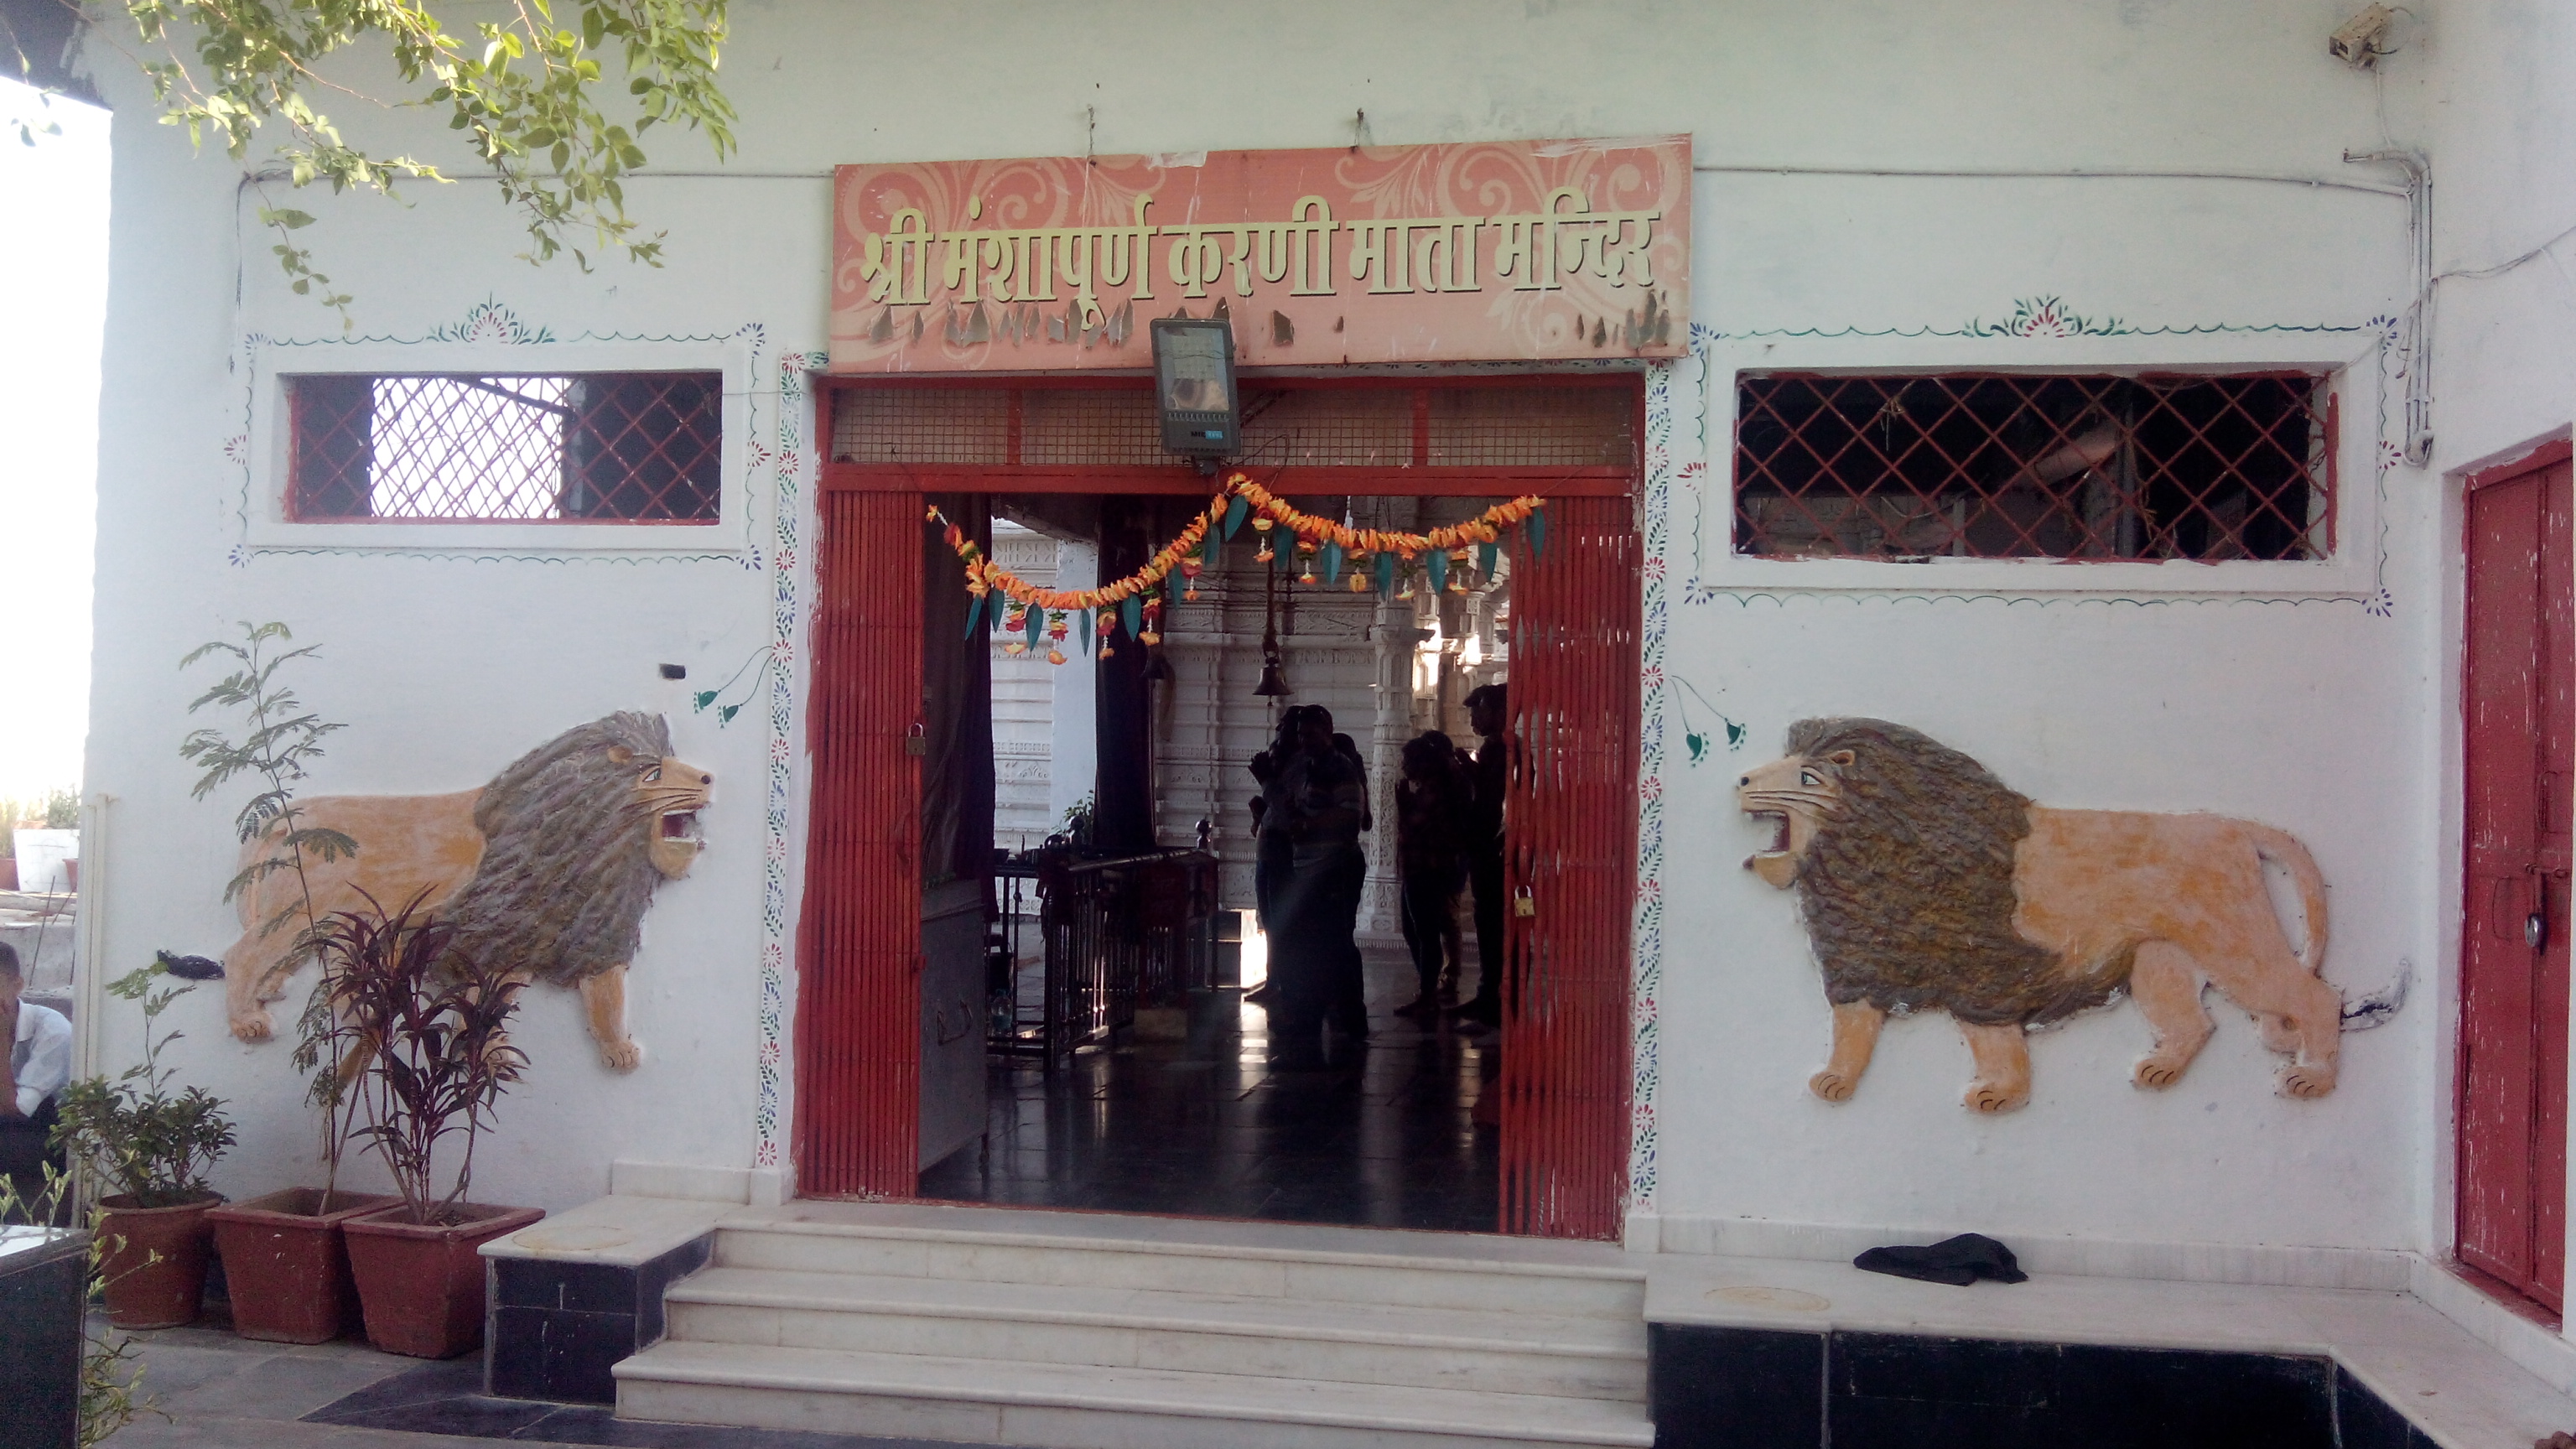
pixel 532 93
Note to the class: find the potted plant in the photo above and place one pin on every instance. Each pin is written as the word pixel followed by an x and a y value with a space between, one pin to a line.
pixel 426 1027
pixel 149 1151
pixel 284 1259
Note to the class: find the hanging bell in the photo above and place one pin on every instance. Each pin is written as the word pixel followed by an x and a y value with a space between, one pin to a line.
pixel 1272 684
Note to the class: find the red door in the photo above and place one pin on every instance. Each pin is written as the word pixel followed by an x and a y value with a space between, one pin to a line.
pixel 1570 852
pixel 858 1013
pixel 2519 697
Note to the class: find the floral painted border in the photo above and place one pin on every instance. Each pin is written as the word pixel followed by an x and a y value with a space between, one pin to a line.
pixel 1646 936
pixel 787 464
pixel 2047 318
pixel 2035 317
pixel 488 322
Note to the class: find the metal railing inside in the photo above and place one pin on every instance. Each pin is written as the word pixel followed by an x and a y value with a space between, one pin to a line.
pixel 1116 933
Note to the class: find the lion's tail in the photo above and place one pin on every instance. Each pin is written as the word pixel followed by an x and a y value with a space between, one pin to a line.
pixel 2284 850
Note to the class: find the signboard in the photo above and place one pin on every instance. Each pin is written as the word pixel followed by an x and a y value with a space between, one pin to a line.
pixel 1478 252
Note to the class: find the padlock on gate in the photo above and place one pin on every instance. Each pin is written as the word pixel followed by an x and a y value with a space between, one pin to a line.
pixel 1523 906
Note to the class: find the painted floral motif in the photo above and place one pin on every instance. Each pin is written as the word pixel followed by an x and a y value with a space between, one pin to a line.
pixel 2047 317
pixel 2039 318
pixel 786 465
pixel 489 321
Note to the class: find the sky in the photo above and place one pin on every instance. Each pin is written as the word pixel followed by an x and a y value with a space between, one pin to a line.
pixel 53 250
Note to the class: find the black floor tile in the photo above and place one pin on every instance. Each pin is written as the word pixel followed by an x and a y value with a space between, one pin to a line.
pixel 1369 1136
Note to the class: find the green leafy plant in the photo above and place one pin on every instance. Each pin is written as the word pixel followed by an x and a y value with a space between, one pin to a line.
pixel 61 809
pixel 111 1382
pixel 280 740
pixel 433 1055
pixel 134 1136
pixel 530 90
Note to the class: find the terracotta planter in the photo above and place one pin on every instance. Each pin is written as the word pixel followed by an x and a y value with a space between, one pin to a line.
pixel 8 873
pixel 287 1265
pixel 156 1277
pixel 421 1288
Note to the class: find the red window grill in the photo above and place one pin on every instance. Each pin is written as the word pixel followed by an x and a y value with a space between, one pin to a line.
pixel 1455 423
pixel 1988 465
pixel 626 447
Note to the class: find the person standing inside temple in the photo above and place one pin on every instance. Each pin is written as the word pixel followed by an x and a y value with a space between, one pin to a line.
pixel 1271 844
pixel 1431 807
pixel 1318 798
pixel 1488 771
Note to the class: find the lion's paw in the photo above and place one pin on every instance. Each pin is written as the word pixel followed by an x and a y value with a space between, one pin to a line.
pixel 1989 1097
pixel 2306 1081
pixel 2156 1073
pixel 1833 1086
pixel 254 1026
pixel 621 1056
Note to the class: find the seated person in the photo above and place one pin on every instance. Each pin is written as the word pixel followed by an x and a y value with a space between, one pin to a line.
pixel 38 1064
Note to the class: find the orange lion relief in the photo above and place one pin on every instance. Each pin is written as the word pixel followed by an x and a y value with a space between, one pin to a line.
pixel 549 868
pixel 1926 884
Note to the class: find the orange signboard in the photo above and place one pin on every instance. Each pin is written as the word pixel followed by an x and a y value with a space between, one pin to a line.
pixel 1477 252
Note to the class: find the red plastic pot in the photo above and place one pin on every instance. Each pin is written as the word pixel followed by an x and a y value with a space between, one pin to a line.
pixel 421 1288
pixel 156 1261
pixel 287 1265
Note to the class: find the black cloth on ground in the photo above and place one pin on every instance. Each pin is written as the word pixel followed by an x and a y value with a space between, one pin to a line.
pixel 1957 1261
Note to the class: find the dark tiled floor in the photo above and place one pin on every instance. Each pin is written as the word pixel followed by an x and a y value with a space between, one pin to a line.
pixel 447 1399
pixel 1380 1136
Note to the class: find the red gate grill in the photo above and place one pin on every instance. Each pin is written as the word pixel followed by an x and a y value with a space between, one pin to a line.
pixel 1989 465
pixel 858 1031
pixel 1573 790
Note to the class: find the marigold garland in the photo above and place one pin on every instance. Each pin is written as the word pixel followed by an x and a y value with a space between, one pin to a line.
pixel 1033 609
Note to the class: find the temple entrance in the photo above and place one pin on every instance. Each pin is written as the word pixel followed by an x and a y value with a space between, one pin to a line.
pixel 1108 942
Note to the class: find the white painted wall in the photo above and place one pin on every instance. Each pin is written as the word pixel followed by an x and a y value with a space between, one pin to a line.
pixel 2320 717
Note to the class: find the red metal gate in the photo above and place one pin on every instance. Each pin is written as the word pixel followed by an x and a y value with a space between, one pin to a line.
pixel 1570 832
pixel 858 1032
pixel 2519 698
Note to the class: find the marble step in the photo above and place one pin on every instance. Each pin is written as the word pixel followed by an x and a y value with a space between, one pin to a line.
pixel 1256 1260
pixel 1082 1406
pixel 1445 1348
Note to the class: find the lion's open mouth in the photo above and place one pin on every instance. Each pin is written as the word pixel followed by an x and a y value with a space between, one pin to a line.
pixel 1778 820
pixel 680 825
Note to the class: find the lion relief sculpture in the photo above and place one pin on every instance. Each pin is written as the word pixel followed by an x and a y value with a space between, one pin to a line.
pixel 1926 884
pixel 548 868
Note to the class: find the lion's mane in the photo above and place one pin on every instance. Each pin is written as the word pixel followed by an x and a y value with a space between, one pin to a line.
pixel 567 869
pixel 1907 889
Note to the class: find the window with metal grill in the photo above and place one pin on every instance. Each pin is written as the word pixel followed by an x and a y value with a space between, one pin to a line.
pixel 613 447
pixel 1993 465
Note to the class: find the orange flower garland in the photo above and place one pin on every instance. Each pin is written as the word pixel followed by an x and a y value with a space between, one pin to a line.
pixel 1267 512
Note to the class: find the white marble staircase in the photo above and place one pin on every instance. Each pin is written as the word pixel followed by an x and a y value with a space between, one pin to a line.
pixel 1084 1331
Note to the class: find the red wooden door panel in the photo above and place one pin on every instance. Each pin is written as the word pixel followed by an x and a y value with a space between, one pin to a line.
pixel 1570 834
pixel 2519 702
pixel 858 1016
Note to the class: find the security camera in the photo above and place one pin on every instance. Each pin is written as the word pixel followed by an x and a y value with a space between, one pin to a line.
pixel 2364 38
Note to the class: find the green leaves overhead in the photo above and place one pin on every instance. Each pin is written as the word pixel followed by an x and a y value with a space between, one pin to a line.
pixel 526 91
